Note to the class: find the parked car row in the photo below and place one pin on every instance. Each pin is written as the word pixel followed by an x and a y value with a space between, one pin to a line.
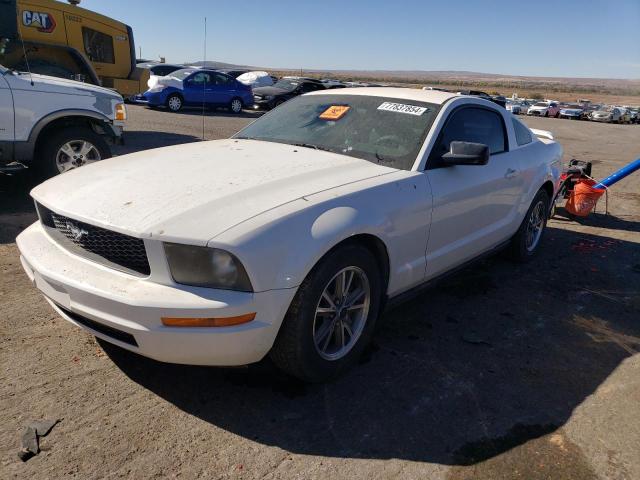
pixel 574 111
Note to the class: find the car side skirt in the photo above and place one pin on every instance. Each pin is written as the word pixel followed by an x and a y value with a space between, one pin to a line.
pixel 397 300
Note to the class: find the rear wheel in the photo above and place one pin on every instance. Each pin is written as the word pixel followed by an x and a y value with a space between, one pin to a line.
pixel 175 102
pixel 70 148
pixel 332 316
pixel 526 241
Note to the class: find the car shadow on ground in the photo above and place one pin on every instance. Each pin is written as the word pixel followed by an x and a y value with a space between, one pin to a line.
pixel 496 356
pixel 213 112
pixel 138 140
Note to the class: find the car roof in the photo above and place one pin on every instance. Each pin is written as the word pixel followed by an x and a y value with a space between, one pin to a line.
pixel 429 96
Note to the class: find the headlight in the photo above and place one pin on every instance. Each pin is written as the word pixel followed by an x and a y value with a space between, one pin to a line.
pixel 121 112
pixel 206 267
pixel 157 88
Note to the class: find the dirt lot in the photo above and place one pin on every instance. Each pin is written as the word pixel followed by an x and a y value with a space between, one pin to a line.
pixel 504 371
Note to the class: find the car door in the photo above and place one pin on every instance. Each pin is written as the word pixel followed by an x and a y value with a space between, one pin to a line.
pixel 194 87
pixel 6 122
pixel 221 89
pixel 474 206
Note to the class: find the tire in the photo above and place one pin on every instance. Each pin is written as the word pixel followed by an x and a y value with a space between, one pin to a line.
pixel 546 114
pixel 300 348
pixel 174 102
pixel 52 158
pixel 557 115
pixel 236 105
pixel 522 249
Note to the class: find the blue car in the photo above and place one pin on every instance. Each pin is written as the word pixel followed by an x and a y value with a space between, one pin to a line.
pixel 193 87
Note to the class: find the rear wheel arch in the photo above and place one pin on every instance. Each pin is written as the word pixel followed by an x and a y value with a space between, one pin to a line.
pixel 548 187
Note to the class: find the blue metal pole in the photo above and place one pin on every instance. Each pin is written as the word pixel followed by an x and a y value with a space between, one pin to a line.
pixel 619 175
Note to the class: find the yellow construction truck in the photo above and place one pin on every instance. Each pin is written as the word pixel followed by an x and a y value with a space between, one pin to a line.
pixel 64 40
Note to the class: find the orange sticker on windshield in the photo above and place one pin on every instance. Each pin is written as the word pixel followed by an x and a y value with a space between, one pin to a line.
pixel 334 112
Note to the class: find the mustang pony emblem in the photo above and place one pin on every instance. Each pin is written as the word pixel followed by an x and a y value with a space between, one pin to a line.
pixel 76 232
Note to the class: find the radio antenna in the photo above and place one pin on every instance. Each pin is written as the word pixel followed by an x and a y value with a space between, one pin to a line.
pixel 24 51
pixel 204 64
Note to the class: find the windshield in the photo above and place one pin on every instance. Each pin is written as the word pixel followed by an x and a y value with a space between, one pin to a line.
pixel 382 130
pixel 182 73
pixel 287 84
pixel 541 104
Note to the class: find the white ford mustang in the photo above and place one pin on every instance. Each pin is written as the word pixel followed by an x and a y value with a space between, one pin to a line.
pixel 289 238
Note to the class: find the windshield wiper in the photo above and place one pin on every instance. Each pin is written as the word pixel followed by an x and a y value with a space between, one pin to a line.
pixel 311 145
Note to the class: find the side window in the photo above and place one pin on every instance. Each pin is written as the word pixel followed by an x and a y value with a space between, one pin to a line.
pixel 162 71
pixel 471 124
pixel 200 78
pixel 221 79
pixel 98 46
pixel 308 87
pixel 523 134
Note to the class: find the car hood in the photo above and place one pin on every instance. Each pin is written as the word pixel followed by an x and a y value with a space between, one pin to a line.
pixel 270 91
pixel 191 193
pixel 537 107
pixel 48 84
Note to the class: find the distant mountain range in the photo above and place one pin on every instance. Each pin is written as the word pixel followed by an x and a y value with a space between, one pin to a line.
pixel 462 78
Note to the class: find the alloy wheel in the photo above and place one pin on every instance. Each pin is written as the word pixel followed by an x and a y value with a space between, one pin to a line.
pixel 341 313
pixel 535 226
pixel 75 153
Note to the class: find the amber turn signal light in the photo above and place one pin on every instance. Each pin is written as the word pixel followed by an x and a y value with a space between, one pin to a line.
pixel 208 322
pixel 121 112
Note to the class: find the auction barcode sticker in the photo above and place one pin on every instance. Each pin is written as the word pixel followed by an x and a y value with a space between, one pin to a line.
pixel 402 108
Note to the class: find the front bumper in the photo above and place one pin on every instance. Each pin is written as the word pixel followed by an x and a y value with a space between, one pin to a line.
pixel 536 112
pixel 81 290
pixel 261 104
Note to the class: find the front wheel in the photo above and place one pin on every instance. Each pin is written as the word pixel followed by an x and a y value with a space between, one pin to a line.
pixel 70 148
pixel 526 242
pixel 332 316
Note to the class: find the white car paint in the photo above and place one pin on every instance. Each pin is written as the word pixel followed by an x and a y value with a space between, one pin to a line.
pixel 256 79
pixel 35 96
pixel 279 209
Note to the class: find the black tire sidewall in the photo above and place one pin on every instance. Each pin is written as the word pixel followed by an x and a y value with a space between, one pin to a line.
pixel 45 161
pixel 310 365
pixel 519 250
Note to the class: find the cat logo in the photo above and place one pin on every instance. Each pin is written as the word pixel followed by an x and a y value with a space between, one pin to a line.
pixel 44 22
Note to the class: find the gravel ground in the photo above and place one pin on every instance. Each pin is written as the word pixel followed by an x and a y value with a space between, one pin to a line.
pixel 504 371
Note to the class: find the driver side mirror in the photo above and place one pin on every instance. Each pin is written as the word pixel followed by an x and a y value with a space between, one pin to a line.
pixel 466 153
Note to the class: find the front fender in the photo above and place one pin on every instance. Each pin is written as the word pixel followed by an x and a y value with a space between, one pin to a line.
pixel 280 247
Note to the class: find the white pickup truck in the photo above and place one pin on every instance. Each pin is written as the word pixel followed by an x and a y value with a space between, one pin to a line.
pixel 53 125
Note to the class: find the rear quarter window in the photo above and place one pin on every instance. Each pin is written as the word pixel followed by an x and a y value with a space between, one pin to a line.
pixel 523 134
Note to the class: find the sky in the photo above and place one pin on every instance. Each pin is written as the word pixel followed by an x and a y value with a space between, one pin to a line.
pixel 568 38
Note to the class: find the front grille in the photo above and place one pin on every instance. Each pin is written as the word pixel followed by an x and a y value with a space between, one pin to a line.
pixel 100 327
pixel 107 247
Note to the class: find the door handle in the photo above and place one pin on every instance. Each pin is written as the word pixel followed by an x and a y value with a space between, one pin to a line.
pixel 511 173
